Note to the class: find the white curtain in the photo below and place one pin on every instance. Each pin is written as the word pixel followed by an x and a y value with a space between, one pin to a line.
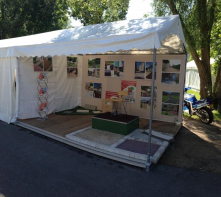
pixel 7 89
pixel 64 93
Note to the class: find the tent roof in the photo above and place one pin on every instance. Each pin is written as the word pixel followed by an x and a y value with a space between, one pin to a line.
pixel 142 34
pixel 192 65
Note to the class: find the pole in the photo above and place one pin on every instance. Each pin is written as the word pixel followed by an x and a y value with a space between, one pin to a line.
pixel 151 110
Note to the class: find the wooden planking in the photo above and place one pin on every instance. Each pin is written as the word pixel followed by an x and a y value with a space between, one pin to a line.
pixel 65 124
pixel 61 125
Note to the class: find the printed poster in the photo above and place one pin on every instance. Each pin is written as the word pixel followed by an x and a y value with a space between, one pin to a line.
pixel 145 97
pixel 42 64
pixel 93 90
pixel 111 95
pixel 114 69
pixel 130 87
pixel 170 103
pixel 94 65
pixel 72 66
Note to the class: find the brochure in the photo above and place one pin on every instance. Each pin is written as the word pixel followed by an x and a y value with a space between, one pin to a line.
pixel 42 76
pixel 42 91
pixel 43 107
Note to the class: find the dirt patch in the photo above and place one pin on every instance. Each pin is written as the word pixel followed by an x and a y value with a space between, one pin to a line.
pixel 197 146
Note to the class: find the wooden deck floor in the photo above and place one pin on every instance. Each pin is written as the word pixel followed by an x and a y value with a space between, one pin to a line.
pixel 61 125
pixel 66 124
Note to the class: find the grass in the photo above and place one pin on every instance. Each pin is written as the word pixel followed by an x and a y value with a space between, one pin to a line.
pixel 216 114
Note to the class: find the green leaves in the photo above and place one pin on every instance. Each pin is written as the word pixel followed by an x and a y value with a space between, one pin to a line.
pixel 98 11
pixel 25 17
pixel 201 21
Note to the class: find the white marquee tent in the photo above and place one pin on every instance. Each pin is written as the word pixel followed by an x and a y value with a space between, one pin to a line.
pixel 192 75
pixel 141 34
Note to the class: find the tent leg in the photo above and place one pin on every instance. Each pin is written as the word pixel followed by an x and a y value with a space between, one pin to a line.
pixel 151 111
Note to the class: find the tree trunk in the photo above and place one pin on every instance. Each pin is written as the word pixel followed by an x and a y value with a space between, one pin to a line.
pixel 205 80
pixel 217 87
pixel 204 73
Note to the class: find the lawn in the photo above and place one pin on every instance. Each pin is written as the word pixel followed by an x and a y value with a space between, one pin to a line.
pixel 216 114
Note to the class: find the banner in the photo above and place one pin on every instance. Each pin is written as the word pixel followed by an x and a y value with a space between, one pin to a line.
pixel 130 87
pixel 111 95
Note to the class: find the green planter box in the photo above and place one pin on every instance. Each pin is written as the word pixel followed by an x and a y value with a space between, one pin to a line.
pixel 124 124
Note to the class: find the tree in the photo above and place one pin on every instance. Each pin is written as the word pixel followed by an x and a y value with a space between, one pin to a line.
pixel 98 11
pixel 197 18
pixel 216 53
pixel 24 17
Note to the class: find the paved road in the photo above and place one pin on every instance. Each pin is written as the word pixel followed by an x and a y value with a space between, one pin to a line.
pixel 32 165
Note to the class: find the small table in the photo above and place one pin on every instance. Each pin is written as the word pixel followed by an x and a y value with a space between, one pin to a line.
pixel 121 101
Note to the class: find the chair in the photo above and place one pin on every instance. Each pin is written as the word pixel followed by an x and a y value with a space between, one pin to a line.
pixel 122 93
pixel 121 100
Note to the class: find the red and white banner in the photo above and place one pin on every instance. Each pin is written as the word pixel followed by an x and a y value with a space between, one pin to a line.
pixel 130 87
pixel 112 95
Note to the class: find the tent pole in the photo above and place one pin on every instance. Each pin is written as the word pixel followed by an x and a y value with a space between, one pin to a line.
pixel 151 110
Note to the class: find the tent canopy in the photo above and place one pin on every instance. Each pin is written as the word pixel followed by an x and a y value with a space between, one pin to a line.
pixel 142 34
pixel 192 65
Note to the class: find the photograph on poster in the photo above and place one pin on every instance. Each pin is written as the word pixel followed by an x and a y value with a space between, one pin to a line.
pixel 139 70
pixel 170 78
pixel 48 63
pixel 93 90
pixel 171 66
pixel 42 63
pixel 130 87
pixel 170 103
pixel 149 68
pixel 94 67
pixel 72 66
pixel 114 69
pixel 143 70
pixel 97 90
pixel 145 99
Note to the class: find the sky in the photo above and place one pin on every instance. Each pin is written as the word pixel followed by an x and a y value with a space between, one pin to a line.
pixel 137 9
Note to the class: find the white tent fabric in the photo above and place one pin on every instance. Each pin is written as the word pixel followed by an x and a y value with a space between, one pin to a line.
pixel 142 34
pixel 59 86
pixel 7 89
pixel 192 75
pixel 139 33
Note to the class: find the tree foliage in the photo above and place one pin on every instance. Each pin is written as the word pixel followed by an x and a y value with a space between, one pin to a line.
pixel 216 53
pixel 99 11
pixel 25 17
pixel 197 19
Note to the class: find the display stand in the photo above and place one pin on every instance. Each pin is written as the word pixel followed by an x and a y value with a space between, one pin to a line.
pixel 42 96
